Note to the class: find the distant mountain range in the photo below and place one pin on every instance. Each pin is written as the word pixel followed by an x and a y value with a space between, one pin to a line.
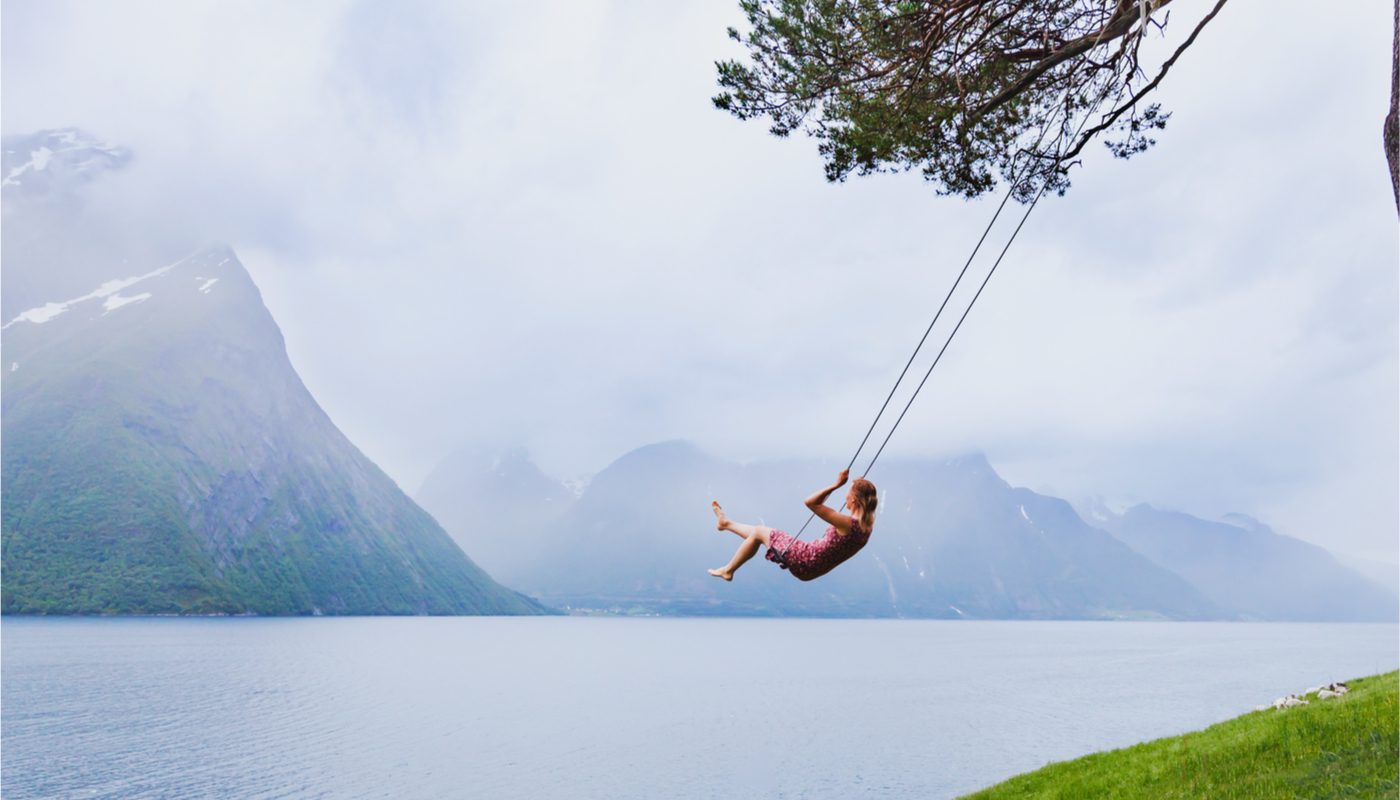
pixel 1243 565
pixel 161 455
pixel 952 540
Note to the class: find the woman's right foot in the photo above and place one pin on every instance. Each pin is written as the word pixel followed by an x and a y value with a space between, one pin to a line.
pixel 719 573
pixel 720 521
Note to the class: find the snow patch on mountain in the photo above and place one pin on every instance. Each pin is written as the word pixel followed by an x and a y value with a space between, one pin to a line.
pixel 57 161
pixel 39 315
pixel 209 283
pixel 38 159
pixel 117 301
pixel 48 311
pixel 67 140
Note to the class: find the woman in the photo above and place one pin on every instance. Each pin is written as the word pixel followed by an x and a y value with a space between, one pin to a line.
pixel 808 560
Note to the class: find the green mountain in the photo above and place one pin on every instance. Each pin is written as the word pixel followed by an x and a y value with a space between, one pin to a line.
pixel 160 453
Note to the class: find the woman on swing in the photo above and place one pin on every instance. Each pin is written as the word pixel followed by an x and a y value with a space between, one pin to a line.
pixel 807 560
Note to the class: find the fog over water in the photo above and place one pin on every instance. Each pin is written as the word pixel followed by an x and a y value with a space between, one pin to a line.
pixel 511 224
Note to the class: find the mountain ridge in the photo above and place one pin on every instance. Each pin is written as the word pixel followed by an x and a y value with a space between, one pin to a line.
pixel 162 455
pixel 1020 554
pixel 1244 564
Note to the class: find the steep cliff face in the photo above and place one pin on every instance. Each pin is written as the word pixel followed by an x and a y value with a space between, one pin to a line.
pixel 161 455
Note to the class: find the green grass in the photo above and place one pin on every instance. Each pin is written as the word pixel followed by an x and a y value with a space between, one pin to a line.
pixel 1346 746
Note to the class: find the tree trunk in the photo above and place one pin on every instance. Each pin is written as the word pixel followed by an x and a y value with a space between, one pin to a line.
pixel 1391 134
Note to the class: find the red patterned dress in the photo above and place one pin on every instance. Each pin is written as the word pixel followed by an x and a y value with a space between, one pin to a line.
pixel 808 560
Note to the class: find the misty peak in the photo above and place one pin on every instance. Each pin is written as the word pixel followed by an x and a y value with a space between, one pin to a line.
pixel 1246 522
pixel 1096 511
pixel 972 462
pixel 55 162
pixel 475 459
pixel 662 454
pixel 671 448
pixel 1141 508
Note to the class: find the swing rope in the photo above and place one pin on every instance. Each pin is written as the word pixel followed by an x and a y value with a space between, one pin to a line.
pixel 782 556
pixel 917 348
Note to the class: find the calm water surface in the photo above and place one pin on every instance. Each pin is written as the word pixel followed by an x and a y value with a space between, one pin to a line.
pixel 618 708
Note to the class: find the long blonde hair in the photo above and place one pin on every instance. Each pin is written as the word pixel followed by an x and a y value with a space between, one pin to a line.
pixel 867 498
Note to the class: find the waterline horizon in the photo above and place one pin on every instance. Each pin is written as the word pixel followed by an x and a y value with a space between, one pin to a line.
pixel 620 706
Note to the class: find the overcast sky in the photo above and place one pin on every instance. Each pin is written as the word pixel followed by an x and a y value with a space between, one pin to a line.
pixel 505 223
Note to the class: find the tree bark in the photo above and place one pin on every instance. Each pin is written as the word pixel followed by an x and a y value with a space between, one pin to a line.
pixel 1391 133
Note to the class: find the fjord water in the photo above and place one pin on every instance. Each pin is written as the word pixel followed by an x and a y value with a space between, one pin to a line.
pixel 618 708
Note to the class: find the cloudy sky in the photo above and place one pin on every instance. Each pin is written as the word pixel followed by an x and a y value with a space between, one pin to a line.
pixel 524 223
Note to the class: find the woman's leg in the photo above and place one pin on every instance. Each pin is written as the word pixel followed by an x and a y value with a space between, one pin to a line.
pixel 746 551
pixel 755 536
pixel 740 529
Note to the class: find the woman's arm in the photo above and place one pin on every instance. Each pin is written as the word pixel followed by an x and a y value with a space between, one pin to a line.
pixel 817 504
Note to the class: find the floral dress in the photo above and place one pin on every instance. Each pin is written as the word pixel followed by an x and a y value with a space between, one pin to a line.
pixel 808 560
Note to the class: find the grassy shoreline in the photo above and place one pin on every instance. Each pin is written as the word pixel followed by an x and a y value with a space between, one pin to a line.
pixel 1347 746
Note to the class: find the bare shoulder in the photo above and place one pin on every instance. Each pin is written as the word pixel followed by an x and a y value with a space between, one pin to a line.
pixel 830 516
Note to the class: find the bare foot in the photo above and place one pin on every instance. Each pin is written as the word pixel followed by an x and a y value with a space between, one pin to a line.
pixel 720 521
pixel 719 573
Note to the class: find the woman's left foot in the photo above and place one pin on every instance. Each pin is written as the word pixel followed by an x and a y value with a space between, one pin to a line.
pixel 720 521
pixel 719 573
